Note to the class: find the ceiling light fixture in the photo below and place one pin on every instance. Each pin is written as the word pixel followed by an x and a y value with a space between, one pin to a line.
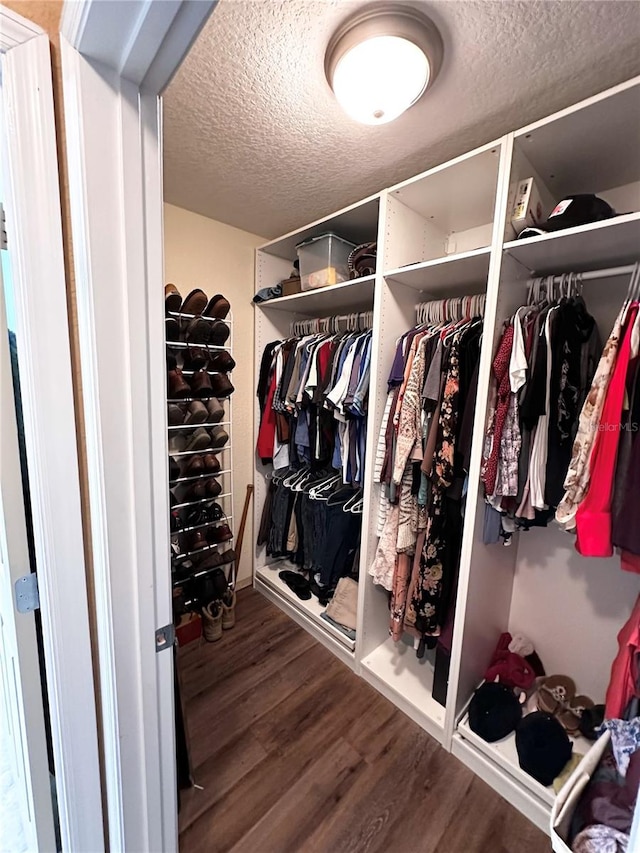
pixel 382 61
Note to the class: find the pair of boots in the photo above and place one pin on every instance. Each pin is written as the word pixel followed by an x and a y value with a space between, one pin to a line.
pixel 219 615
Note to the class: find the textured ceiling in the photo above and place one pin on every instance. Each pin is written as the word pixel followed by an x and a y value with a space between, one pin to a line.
pixel 254 137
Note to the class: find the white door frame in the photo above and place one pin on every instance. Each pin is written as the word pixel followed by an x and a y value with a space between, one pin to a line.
pixel 35 233
pixel 116 60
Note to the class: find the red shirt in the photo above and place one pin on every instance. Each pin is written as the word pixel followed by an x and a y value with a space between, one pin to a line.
pixel 624 671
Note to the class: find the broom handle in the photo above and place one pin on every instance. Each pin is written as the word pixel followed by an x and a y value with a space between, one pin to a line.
pixel 243 521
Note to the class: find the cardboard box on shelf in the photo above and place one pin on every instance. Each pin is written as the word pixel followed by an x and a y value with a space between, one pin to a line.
pixel 527 208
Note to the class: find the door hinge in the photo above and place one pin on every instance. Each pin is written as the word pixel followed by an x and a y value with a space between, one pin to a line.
pixel 26 589
pixel 165 637
pixel 3 229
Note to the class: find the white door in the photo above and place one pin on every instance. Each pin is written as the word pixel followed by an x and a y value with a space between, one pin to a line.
pixel 26 810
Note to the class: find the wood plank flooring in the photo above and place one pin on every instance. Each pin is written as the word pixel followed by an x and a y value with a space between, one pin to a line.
pixel 296 754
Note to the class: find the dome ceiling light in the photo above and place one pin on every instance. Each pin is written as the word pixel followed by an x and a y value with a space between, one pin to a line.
pixel 382 61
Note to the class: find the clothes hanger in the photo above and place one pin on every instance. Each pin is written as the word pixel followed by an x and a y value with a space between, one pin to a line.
pixel 355 503
pixel 290 479
pixel 317 493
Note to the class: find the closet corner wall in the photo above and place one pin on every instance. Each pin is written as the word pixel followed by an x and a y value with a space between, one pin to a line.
pixel 446 233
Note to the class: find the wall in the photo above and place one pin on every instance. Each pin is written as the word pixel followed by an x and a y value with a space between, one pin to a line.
pixel 200 252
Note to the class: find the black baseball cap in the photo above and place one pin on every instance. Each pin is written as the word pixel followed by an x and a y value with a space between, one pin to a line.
pixel 494 711
pixel 580 209
pixel 543 746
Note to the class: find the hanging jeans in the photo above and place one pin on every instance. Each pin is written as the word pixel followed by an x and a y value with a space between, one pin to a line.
pixel 341 541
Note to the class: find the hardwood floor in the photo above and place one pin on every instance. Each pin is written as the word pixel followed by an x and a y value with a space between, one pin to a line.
pixel 296 754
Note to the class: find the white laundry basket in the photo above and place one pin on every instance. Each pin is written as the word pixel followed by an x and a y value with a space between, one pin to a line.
pixel 570 793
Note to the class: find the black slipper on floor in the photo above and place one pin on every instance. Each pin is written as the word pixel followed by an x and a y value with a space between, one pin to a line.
pixel 297 583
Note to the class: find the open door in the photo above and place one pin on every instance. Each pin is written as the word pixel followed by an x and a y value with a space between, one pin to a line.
pixel 26 810
pixel 50 790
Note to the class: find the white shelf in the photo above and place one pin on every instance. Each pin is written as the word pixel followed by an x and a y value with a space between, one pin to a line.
pixel 455 274
pixel 588 147
pixel 505 755
pixel 595 246
pixel 396 670
pixel 357 224
pixel 311 608
pixel 458 195
pixel 356 294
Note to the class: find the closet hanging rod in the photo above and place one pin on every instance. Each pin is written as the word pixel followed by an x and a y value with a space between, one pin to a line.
pixel 357 322
pixel 451 308
pixel 594 275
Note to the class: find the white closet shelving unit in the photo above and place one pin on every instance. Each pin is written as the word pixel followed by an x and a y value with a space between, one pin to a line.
pixel 358 224
pixel 447 233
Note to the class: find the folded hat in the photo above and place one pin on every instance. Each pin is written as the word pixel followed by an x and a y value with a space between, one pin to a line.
pixel 543 746
pixel 268 293
pixel 494 711
pixel 510 668
pixel 580 209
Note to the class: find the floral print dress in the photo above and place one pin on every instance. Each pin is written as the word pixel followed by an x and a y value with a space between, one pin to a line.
pixel 423 608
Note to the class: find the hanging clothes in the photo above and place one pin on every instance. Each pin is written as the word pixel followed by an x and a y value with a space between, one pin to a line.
pixel 422 460
pixel 313 393
pixel 576 482
pixel 314 408
pixel 541 375
pixel 593 517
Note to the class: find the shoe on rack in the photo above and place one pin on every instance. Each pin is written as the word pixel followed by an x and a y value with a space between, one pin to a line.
pixel 175 414
pixel 212 622
pixel 195 516
pixel 219 534
pixel 188 492
pixel 217 307
pixel 213 488
pixel 172 298
pixel 176 547
pixel 198 440
pixel 211 560
pixel 196 541
pixel 197 413
pixel 172 358
pixel 174 469
pixel 175 519
pixel 219 333
pixel 171 329
pixel 195 302
pixel 227 556
pixel 198 331
pixel 177 443
pixel 201 384
pixel 221 385
pixel 215 410
pixel 221 361
pixel 192 466
pixel 219 437
pixel 177 385
pixel 211 463
pixel 195 358
pixel 228 610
